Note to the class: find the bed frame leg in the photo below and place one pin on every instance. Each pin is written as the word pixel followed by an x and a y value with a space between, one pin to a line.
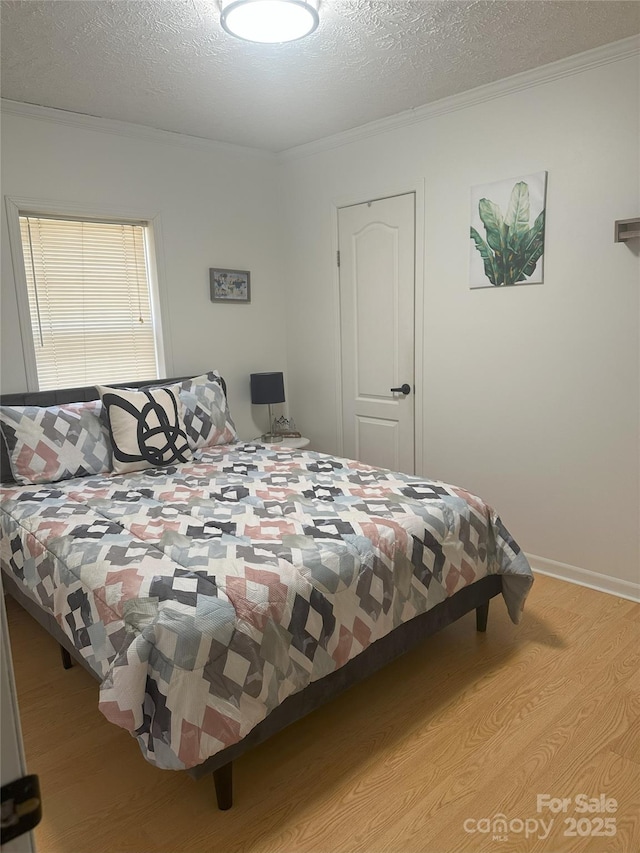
pixel 67 660
pixel 482 614
pixel 223 781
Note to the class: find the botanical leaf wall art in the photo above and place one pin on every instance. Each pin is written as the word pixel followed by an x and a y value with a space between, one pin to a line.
pixel 507 231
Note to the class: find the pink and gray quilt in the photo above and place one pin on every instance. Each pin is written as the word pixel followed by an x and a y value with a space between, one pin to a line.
pixel 206 593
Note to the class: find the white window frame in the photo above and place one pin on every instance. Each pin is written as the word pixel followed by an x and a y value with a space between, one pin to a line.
pixel 15 207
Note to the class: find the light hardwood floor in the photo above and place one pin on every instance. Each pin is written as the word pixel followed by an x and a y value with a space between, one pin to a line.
pixel 464 727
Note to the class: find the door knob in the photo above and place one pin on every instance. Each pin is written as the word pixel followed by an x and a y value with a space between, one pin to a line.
pixel 404 389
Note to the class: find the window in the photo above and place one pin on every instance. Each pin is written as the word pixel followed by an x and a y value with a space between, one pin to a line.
pixel 88 287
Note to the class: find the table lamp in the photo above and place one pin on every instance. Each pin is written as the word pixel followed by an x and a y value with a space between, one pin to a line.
pixel 266 389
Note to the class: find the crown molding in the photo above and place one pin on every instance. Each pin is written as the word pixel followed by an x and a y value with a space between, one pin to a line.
pixel 614 52
pixel 129 129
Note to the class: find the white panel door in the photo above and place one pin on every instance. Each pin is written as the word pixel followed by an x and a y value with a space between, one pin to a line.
pixel 12 765
pixel 377 290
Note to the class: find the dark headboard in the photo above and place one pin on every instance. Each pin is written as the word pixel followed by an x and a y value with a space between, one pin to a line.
pixel 58 396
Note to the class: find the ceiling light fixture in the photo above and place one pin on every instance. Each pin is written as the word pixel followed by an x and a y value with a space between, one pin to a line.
pixel 269 21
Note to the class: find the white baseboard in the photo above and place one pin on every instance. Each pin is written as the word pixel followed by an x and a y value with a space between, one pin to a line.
pixel 583 577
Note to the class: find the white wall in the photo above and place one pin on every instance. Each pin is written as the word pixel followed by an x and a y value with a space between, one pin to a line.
pixel 531 393
pixel 218 207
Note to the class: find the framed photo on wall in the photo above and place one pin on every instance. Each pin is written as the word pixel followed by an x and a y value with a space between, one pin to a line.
pixel 230 285
pixel 507 231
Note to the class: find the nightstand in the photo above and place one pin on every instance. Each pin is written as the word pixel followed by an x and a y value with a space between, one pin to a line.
pixel 297 443
pixel 293 443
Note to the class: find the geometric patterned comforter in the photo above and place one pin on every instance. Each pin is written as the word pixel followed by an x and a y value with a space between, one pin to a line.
pixel 206 593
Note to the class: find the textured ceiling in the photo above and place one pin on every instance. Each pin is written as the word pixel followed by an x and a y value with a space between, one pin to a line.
pixel 169 64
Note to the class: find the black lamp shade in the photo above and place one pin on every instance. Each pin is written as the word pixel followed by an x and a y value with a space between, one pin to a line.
pixel 267 388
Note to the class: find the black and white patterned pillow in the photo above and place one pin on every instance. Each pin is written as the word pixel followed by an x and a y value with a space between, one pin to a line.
pixel 146 427
pixel 47 444
pixel 206 411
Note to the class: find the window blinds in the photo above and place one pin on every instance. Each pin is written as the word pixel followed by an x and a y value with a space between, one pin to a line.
pixel 88 289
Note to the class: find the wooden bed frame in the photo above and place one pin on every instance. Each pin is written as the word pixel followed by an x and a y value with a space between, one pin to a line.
pixel 403 638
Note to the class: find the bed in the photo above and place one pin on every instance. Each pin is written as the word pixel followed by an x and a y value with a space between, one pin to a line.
pixel 223 595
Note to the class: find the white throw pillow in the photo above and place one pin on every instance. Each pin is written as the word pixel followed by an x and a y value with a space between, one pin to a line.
pixel 146 427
